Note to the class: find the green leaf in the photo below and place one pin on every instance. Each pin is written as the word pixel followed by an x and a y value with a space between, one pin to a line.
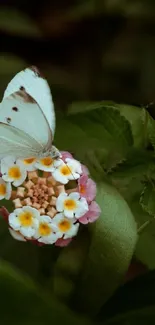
pixel 112 245
pixel 86 134
pixel 134 115
pixel 145 248
pixel 147 199
pixel 24 303
pixel 144 214
pixel 133 304
pixel 151 130
pixel 137 164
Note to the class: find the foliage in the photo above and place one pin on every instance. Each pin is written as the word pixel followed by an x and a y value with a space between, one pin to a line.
pixel 86 51
pixel 86 274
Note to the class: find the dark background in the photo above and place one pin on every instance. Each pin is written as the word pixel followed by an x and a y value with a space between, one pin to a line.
pixel 88 50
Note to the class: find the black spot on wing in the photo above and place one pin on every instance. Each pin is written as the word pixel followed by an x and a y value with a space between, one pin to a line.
pixel 22 88
pixel 15 109
pixel 8 119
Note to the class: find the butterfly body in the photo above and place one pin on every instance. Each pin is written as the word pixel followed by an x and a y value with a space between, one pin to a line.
pixel 27 117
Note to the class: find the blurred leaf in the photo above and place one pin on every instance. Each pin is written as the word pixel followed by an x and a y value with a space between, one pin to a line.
pixel 69 264
pixel 134 115
pixel 33 260
pixel 24 303
pixel 138 163
pixel 147 199
pixel 145 248
pixel 151 129
pixel 17 23
pixel 111 249
pixel 133 304
pixel 102 129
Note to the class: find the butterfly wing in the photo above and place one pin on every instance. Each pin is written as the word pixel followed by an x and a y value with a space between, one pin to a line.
pixel 37 87
pixel 15 142
pixel 21 112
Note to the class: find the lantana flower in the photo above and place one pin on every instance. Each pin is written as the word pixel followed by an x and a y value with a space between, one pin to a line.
pixel 28 163
pixel 87 188
pixel 47 231
pixel 66 227
pixel 5 189
pixel 12 171
pixel 24 220
pixel 65 171
pixel 72 205
pixel 51 198
pixel 47 164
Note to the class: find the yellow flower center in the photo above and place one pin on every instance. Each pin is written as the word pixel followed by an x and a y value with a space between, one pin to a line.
pixel 82 189
pixel 44 229
pixel 69 204
pixel 29 161
pixel 26 219
pixel 64 225
pixel 14 172
pixel 47 161
pixel 2 189
pixel 65 170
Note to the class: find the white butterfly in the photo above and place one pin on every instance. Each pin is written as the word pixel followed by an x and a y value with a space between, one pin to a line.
pixel 27 117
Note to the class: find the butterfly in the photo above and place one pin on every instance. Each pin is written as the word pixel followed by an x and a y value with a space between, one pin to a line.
pixel 27 117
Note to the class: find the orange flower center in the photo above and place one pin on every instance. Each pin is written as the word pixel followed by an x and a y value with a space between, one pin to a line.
pixel 26 218
pixel 64 225
pixel 82 189
pixel 44 229
pixel 2 189
pixel 65 170
pixel 69 204
pixel 29 161
pixel 14 172
pixel 47 161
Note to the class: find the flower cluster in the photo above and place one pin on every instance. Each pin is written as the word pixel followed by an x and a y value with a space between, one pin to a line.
pixel 51 198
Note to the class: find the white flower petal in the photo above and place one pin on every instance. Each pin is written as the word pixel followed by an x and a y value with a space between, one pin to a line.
pixel 14 221
pixel 27 231
pixel 74 195
pixel 69 214
pixel 34 211
pixel 48 239
pixel 27 164
pixel 73 176
pixel 82 208
pixel 45 218
pixel 45 164
pixel 12 172
pixel 60 201
pixel 58 162
pixel 57 175
pixel 72 232
pixel 16 235
pixel 58 217
pixel 6 162
pixel 8 191
pixel 18 182
pixel 74 165
pixel 5 189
